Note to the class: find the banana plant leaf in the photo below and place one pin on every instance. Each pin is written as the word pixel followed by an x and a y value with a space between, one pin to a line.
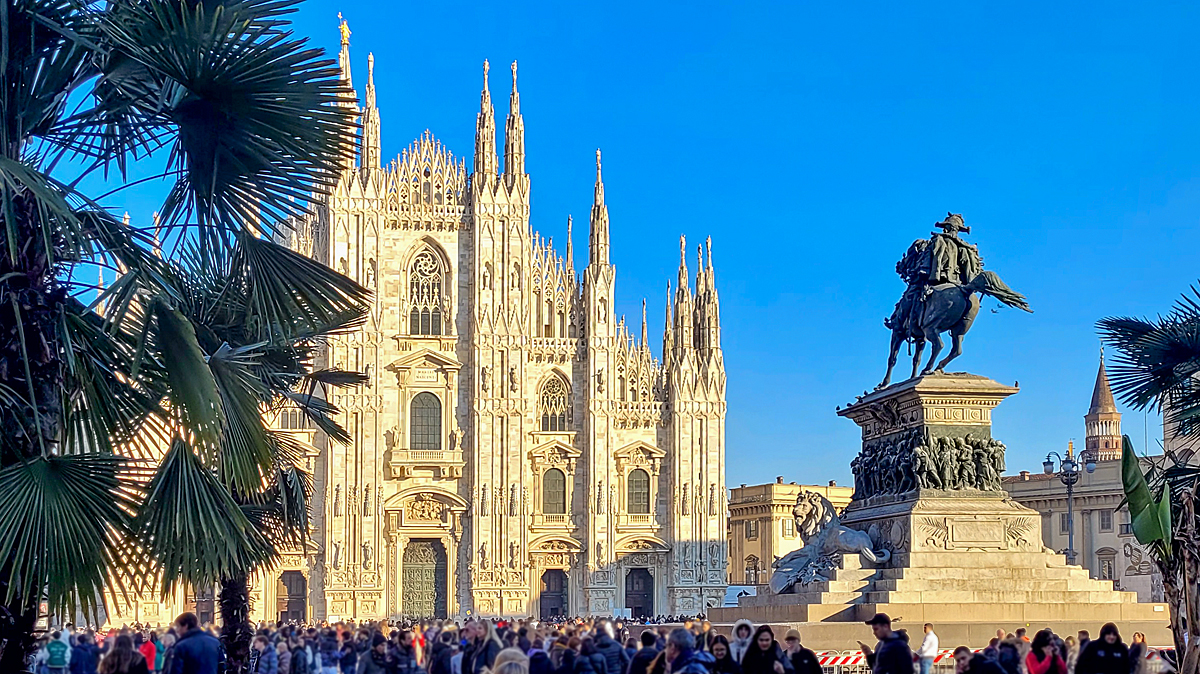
pixel 1151 517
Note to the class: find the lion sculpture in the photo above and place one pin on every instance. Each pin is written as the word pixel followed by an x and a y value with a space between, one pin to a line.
pixel 825 541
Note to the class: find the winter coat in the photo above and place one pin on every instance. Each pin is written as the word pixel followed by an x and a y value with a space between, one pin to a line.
pixel 84 659
pixel 615 659
pixel 1101 657
pixel 1050 665
pixel 539 663
pixel 692 662
pixel 268 662
pixel 804 661
pixel 726 665
pixel 483 655
pixel 640 662
pixel 892 656
pixel 757 661
pixel 197 652
pixel 737 646
pixel 285 661
pixel 372 663
pixel 148 651
pixel 583 664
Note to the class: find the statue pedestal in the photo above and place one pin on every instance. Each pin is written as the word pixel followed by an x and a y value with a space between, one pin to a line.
pixel 961 551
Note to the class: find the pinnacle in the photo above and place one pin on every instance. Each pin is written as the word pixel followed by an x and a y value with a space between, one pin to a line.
pixel 1102 397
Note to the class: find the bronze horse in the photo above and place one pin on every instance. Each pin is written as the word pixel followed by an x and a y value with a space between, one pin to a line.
pixel 947 307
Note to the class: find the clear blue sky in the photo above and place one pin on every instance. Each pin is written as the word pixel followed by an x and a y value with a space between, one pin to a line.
pixel 814 142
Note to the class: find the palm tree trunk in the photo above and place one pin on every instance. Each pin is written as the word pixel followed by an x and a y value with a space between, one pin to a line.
pixel 31 371
pixel 236 631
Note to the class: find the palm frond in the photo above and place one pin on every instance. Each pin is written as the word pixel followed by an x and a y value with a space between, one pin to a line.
pixel 193 528
pixel 255 110
pixel 64 521
pixel 194 392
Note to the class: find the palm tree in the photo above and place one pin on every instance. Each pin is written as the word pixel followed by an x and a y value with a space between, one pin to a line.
pixel 1157 365
pixel 190 350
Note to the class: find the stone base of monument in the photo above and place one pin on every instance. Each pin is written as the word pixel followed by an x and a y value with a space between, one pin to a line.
pixel 965 554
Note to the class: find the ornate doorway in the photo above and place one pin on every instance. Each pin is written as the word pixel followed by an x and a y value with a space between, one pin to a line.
pixel 292 597
pixel 639 592
pixel 554 594
pixel 423 585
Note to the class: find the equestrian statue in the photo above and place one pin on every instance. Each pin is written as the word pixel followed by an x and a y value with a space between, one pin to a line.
pixel 945 277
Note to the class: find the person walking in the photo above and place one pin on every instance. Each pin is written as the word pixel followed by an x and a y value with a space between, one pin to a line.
pixel 1138 651
pixel 1106 654
pixel 681 656
pixel 146 647
pixel 265 658
pixel 196 651
pixel 765 656
pixel 928 649
pixel 615 659
pixel 891 654
pixel 640 662
pixel 723 662
pixel 743 634
pixel 1043 656
pixel 377 660
pixel 804 661
pixel 55 656
pixel 283 656
pixel 123 658
pixel 85 656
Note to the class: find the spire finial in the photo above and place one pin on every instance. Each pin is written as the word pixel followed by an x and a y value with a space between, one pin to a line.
pixel 370 67
pixel 345 30
pixel 708 247
pixel 486 67
pixel 682 250
pixel 597 164
pixel 514 69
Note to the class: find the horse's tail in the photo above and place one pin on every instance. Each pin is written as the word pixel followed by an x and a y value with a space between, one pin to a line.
pixel 988 283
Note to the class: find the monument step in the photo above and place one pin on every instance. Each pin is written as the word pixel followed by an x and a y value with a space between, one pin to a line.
pixel 984 584
pixel 1013 573
pixel 999 596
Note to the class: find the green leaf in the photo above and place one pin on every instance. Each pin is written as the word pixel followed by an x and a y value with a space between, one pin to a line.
pixel 64 525
pixel 194 391
pixel 1151 517
pixel 192 526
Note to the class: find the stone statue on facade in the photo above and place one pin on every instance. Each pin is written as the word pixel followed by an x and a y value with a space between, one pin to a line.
pixel 825 541
pixel 944 277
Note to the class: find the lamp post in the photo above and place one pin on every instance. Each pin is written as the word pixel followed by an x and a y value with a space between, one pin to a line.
pixel 1068 474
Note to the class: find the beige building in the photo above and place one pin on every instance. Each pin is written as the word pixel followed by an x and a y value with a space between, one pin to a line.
pixel 762 529
pixel 517 450
pixel 1104 539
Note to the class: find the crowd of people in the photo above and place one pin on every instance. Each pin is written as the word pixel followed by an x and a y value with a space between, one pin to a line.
pixel 568 646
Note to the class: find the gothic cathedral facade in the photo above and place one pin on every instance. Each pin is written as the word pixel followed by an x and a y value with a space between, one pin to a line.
pixel 517 451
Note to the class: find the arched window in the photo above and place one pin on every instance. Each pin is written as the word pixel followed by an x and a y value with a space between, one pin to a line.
pixel 425 422
pixel 638 496
pixel 554 402
pixel 426 287
pixel 554 492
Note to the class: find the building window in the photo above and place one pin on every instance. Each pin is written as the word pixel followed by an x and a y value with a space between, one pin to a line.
pixel 753 573
pixel 1106 520
pixel 425 417
pixel 554 492
pixel 425 295
pixel 638 492
pixel 1126 524
pixel 789 528
pixel 1107 558
pixel 1064 523
pixel 554 402
pixel 751 529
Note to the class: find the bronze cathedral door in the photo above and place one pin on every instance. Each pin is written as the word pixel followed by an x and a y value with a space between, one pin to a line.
pixel 423 584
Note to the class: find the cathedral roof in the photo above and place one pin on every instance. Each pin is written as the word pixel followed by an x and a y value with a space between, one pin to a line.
pixel 1102 397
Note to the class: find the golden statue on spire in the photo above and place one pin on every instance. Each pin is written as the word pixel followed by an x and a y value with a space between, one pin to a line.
pixel 344 29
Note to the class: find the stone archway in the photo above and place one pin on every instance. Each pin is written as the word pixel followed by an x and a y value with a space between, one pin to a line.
pixel 553 595
pixel 292 597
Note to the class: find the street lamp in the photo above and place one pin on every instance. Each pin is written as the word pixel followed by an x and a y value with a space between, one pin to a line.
pixel 1068 474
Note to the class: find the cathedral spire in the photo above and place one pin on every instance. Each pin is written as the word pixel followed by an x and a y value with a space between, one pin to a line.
pixel 344 54
pixel 514 132
pixel 645 332
pixel 370 121
pixel 485 130
pixel 684 320
pixel 598 244
pixel 570 250
pixel 668 328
